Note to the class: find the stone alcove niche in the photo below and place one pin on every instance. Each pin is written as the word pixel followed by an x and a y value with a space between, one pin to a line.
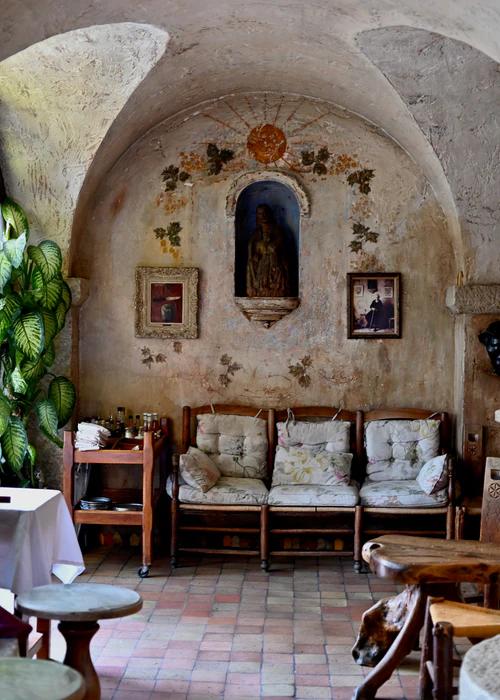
pixel 287 202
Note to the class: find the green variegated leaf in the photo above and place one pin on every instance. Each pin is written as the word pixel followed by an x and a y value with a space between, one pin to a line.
pixel 66 295
pixel 31 454
pixel 47 293
pixel 50 325
pixel 47 418
pixel 14 250
pixel 47 257
pixel 5 270
pixel 14 443
pixel 5 412
pixel 60 314
pixel 33 370
pixel 18 381
pixel 29 334
pixel 49 355
pixel 63 396
pixel 10 307
pixel 15 216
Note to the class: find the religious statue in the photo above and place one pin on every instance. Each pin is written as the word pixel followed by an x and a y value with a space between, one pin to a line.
pixel 268 267
pixel 490 338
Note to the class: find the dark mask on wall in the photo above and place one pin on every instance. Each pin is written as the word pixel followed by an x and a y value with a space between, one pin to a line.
pixel 490 338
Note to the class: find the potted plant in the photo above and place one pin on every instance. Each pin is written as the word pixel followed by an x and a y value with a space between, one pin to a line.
pixel 34 301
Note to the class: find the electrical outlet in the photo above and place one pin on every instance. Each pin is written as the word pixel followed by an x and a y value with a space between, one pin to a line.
pixel 473 443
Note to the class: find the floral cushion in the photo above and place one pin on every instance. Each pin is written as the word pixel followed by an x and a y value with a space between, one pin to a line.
pixel 314 495
pixel 434 475
pixel 402 493
pixel 332 436
pixel 306 465
pixel 227 491
pixel 198 470
pixel 237 444
pixel 398 449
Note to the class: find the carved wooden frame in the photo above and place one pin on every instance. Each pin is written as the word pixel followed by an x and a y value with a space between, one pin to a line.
pixel 144 278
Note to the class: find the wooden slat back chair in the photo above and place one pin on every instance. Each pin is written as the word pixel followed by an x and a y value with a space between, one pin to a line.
pixel 446 511
pixel 224 516
pixel 328 521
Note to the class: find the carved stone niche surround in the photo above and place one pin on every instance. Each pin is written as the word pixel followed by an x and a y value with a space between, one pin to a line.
pixel 266 310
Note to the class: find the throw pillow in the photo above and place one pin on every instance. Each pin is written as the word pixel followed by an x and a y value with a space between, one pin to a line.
pixel 433 475
pixel 198 470
pixel 301 465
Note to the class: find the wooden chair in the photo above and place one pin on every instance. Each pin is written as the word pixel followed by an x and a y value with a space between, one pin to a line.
pixel 444 620
pixel 11 627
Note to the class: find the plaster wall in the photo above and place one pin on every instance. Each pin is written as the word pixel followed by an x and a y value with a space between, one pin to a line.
pixel 305 358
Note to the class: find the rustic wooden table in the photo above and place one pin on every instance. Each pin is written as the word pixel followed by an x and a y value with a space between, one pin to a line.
pixel 432 565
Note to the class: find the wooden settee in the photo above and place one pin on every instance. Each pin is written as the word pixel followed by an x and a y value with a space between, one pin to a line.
pixel 270 520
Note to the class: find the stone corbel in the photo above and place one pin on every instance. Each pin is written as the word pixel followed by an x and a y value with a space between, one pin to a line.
pixel 79 290
pixel 474 299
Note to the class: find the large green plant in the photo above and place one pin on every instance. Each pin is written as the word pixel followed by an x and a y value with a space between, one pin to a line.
pixel 34 300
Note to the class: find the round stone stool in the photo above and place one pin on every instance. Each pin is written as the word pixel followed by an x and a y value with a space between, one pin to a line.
pixel 25 679
pixel 480 671
pixel 78 606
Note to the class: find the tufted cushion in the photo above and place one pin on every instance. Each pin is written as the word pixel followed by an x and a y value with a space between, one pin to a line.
pixel 237 444
pixel 433 476
pixel 198 470
pixel 332 436
pixel 397 449
pixel 227 491
pixel 314 495
pixel 401 493
pixel 305 465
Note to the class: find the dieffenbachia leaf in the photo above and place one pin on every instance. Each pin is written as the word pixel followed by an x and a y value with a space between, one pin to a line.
pixel 14 443
pixel 47 418
pixel 18 381
pixel 47 257
pixel 63 396
pixel 47 293
pixel 14 250
pixel 15 217
pixel 5 270
pixel 29 334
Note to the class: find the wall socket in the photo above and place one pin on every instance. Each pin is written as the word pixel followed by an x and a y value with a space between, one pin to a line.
pixel 473 443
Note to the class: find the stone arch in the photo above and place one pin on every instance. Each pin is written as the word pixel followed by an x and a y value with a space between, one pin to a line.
pixel 241 182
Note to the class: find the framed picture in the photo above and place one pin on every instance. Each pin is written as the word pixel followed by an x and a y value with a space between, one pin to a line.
pixel 166 302
pixel 373 305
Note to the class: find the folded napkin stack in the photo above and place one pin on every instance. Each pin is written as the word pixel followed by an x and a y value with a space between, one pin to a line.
pixel 91 436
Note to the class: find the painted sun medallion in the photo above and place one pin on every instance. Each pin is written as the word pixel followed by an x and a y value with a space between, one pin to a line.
pixel 266 143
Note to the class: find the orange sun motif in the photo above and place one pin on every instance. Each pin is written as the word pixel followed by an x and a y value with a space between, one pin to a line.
pixel 266 143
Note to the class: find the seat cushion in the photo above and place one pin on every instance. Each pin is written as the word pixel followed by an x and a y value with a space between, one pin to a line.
pixel 313 495
pixel 329 435
pixel 399 494
pixel 237 444
pixel 306 465
pixel 228 490
pixel 398 449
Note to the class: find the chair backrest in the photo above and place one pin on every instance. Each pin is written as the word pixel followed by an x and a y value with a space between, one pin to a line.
pixel 318 415
pixel 490 507
pixel 397 442
pixel 217 433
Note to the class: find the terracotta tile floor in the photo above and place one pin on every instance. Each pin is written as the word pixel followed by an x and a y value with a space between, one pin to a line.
pixel 224 629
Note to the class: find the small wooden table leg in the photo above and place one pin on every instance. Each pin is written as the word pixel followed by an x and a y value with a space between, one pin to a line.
pixel 43 627
pixel 78 636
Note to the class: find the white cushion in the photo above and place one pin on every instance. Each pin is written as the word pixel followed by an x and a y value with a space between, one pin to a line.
pixel 331 435
pixel 227 491
pixel 399 494
pixel 305 465
pixel 237 444
pixel 398 449
pixel 198 470
pixel 314 495
pixel 433 476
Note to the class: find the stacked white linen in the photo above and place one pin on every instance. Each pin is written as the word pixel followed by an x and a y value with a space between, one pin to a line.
pixel 91 436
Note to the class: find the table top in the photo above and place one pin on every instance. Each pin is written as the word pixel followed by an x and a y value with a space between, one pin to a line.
pixel 479 671
pixel 37 539
pixel 409 559
pixel 79 602
pixel 25 679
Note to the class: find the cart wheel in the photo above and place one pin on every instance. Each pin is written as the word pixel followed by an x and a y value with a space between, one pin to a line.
pixel 143 571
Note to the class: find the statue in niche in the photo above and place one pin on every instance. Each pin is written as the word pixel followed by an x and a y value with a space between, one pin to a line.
pixel 490 338
pixel 268 266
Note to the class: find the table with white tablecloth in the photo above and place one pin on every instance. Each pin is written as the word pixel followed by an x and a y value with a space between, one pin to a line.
pixel 480 671
pixel 37 539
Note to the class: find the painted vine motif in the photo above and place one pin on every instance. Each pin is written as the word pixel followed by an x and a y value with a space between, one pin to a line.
pixel 225 378
pixel 149 358
pixel 300 371
pixel 362 234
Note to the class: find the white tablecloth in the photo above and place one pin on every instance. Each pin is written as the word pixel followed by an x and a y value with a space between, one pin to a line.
pixel 37 538
pixel 480 671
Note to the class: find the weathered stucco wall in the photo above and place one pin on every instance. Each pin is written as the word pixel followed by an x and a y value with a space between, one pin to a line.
pixel 305 358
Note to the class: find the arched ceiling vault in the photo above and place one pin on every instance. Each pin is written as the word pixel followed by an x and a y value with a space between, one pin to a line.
pixel 228 46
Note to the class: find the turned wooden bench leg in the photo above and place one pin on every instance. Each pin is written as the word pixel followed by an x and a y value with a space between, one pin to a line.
pixel 174 511
pixel 443 661
pixel 460 512
pixel 358 535
pixel 264 537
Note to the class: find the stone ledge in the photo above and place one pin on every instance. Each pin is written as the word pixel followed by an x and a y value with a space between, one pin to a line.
pixel 474 299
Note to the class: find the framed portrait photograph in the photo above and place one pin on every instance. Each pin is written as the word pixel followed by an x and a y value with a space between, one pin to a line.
pixel 374 305
pixel 166 302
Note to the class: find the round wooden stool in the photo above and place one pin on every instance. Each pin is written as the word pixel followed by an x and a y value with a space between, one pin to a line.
pixel 25 679
pixel 78 606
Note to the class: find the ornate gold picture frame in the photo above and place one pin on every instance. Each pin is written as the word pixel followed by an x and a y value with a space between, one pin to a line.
pixel 166 302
